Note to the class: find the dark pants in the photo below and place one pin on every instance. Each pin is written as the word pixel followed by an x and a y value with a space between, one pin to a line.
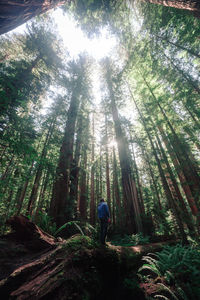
pixel 104 229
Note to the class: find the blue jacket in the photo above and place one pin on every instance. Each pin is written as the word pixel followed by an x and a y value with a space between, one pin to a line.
pixel 103 211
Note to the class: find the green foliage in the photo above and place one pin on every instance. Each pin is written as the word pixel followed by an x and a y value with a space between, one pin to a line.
pixel 45 223
pixel 71 223
pixel 130 240
pixel 178 270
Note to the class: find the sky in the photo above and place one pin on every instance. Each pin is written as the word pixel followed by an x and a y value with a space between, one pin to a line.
pixel 76 41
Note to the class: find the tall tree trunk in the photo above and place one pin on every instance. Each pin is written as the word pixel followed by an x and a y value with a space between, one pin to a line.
pixel 107 166
pixel 116 192
pixel 39 171
pixel 173 185
pixel 40 203
pixel 172 182
pixel 141 200
pixel 59 207
pixel 166 188
pixel 153 180
pixel 82 207
pixel 186 164
pixel 100 174
pixel 130 199
pixel 74 175
pixel 7 170
pixel 185 186
pixel 92 196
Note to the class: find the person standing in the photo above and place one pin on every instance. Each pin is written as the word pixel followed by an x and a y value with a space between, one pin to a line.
pixel 104 217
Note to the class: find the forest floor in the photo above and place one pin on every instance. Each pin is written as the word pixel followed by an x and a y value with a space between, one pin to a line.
pixel 35 265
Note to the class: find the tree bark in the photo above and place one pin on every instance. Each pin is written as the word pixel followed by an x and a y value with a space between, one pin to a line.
pixel 166 188
pixel 92 196
pixel 107 167
pixel 59 208
pixel 173 185
pixel 186 164
pixel 14 13
pixel 82 207
pixel 185 186
pixel 130 199
pixel 75 167
pixel 190 5
pixel 116 192
pixel 39 171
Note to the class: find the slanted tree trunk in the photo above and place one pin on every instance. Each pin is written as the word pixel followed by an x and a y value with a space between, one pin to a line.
pixel 141 200
pixel 185 186
pixel 188 5
pixel 173 185
pixel 163 38
pixel 14 13
pixel 147 158
pixel 40 203
pixel 40 168
pixel 166 188
pixel 187 166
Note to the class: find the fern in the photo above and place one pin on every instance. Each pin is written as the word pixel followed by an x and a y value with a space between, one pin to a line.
pixel 165 288
pixel 178 266
pixel 69 223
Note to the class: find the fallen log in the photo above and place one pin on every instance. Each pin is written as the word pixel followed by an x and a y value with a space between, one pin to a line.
pixel 35 265
pixel 29 234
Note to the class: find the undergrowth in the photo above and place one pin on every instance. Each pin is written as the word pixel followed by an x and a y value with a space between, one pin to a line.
pixel 173 273
pixel 130 240
pixel 70 228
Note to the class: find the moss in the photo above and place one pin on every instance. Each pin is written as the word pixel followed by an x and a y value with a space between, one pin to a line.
pixel 78 242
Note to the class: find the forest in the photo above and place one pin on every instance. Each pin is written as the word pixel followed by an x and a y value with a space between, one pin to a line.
pixel 76 127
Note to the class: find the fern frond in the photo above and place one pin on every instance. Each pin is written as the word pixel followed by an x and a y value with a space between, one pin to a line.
pixel 182 293
pixel 150 260
pixel 151 268
pixel 161 297
pixel 165 288
pixel 79 228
